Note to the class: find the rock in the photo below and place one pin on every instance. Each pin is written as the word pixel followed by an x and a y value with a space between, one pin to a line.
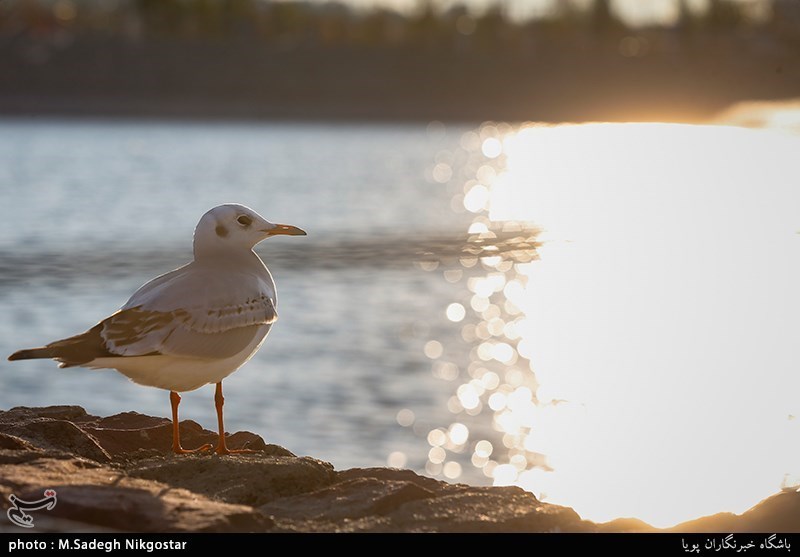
pixel 402 505
pixel 13 443
pixel 52 429
pixel 118 473
pixel 96 495
pixel 75 414
pixel 351 505
pixel 242 479
pixel 627 525
pixel 777 513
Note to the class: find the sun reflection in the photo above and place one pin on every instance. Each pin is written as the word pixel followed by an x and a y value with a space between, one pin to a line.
pixel 636 350
pixel 397 459
pixel 405 417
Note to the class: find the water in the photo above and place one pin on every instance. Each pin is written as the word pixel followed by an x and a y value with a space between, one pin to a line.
pixel 646 365
pixel 92 209
pixel 605 314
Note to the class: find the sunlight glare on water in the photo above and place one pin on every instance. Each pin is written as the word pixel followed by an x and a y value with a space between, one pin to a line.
pixel 645 364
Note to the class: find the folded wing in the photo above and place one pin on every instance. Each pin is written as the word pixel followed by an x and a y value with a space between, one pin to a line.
pixel 215 333
pixel 190 312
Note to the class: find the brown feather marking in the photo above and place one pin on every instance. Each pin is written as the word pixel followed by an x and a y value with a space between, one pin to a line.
pixel 128 326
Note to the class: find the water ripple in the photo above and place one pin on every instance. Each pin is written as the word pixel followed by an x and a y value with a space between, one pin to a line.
pixel 514 242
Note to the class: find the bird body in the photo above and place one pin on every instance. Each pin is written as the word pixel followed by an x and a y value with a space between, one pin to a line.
pixel 192 326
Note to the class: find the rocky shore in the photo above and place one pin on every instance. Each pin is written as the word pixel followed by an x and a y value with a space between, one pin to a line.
pixel 116 474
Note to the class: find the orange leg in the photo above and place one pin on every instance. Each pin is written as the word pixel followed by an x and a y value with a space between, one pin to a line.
pixel 222 448
pixel 175 400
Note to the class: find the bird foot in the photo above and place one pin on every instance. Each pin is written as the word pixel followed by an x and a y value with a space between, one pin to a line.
pixel 223 450
pixel 180 450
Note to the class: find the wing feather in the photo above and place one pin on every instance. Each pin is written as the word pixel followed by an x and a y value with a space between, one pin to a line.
pixel 211 333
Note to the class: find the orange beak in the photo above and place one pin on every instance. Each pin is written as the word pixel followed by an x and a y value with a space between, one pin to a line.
pixel 286 230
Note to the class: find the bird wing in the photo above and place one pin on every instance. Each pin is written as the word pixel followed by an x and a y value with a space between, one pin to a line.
pixel 189 312
pixel 213 333
pixel 193 312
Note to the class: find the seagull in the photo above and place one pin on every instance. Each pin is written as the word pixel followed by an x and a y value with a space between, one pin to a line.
pixel 192 326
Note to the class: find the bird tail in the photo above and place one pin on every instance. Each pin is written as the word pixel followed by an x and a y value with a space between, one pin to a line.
pixel 72 351
pixel 32 354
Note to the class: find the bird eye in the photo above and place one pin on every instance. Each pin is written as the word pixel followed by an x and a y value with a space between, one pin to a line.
pixel 244 220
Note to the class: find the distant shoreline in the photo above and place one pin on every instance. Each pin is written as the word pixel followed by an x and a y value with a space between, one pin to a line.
pixel 189 80
pixel 30 109
pixel 127 109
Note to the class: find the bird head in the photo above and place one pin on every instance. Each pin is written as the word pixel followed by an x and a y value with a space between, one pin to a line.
pixel 232 227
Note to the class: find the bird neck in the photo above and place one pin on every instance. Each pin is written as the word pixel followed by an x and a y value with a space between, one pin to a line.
pixel 240 257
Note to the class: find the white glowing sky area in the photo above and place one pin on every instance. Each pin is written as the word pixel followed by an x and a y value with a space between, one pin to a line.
pixel 665 310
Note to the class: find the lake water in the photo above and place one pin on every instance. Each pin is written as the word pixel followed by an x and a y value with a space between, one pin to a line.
pixel 638 357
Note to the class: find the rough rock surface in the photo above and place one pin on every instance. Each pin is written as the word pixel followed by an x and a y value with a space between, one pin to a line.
pixel 118 474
